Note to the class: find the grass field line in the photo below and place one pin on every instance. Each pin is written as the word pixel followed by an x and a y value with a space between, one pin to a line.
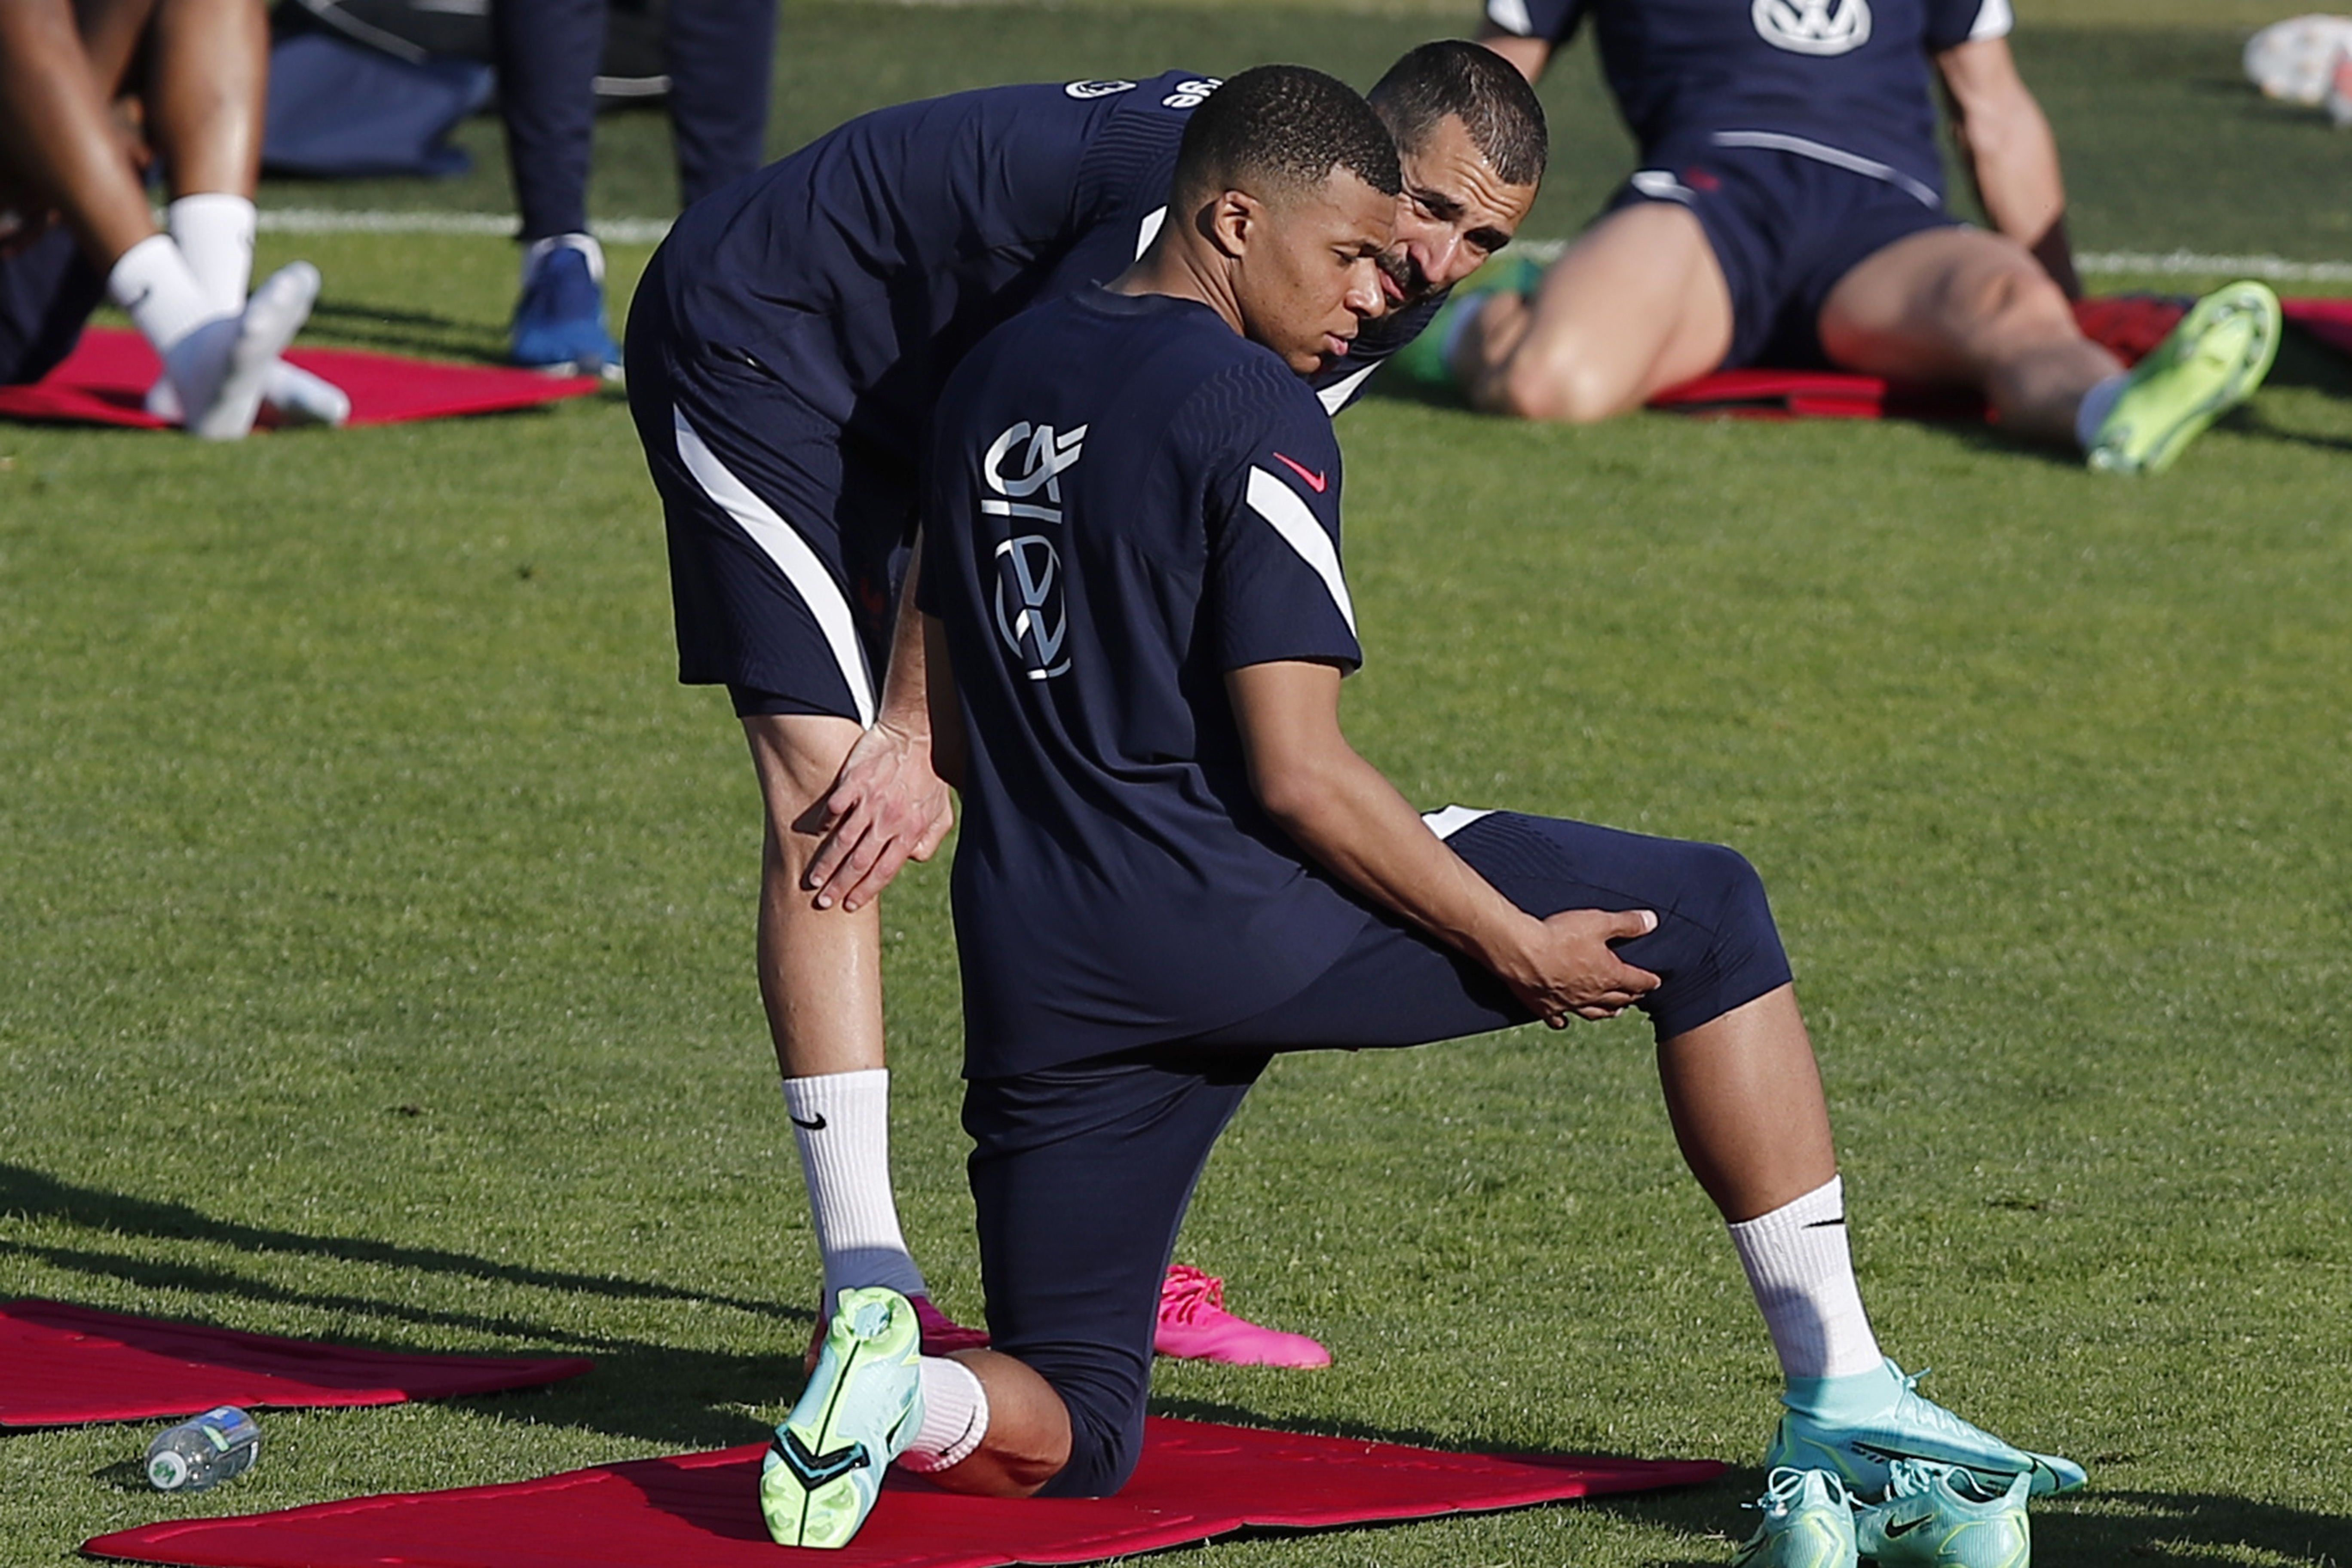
pixel 650 230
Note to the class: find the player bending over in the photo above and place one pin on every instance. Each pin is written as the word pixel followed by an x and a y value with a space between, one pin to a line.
pixel 199 69
pixel 1174 867
pixel 1789 209
pixel 785 350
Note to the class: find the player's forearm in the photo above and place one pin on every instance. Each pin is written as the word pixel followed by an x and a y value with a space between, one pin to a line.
pixel 906 691
pixel 1528 56
pixel 1352 821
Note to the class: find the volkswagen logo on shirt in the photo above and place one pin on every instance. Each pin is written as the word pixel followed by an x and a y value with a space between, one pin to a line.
pixel 1813 26
pixel 1030 614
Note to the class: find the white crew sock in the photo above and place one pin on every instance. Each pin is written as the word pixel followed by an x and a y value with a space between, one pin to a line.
pixel 1801 1267
pixel 955 1416
pixel 154 284
pixel 841 1122
pixel 2097 404
pixel 215 231
pixel 539 250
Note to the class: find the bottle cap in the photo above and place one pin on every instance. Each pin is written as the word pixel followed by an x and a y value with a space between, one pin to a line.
pixel 167 1471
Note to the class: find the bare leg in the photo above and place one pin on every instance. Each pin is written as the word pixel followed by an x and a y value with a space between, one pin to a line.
pixel 1637 305
pixel 1970 309
pixel 1028 1439
pixel 820 969
pixel 207 87
pixel 1746 1100
pixel 58 135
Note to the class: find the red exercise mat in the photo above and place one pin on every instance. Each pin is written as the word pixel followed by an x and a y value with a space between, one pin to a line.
pixel 105 380
pixel 2128 325
pixel 1195 1481
pixel 62 1364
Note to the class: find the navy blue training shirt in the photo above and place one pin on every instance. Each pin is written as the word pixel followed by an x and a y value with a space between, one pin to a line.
pixel 1127 499
pixel 860 269
pixel 1848 76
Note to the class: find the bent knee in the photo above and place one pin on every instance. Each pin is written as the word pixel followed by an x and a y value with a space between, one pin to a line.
pixel 1733 892
pixel 1565 388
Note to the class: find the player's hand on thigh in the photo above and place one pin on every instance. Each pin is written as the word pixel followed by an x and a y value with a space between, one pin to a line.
pixel 1574 971
pixel 887 808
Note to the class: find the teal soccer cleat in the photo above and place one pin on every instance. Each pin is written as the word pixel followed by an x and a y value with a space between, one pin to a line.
pixel 1938 1517
pixel 862 1407
pixel 1859 1453
pixel 1808 1523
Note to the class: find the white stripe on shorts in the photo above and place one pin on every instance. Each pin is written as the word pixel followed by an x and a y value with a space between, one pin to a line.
pixel 1448 820
pixel 784 546
pixel 1836 157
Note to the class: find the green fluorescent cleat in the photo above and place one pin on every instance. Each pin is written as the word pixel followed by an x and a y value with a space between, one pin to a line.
pixel 1938 1517
pixel 1422 361
pixel 1861 1453
pixel 2212 363
pixel 1808 1523
pixel 862 1407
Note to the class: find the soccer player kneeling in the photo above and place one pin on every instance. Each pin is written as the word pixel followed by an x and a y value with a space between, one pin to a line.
pixel 1174 867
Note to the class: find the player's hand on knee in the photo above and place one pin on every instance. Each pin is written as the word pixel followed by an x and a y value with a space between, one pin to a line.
pixel 887 808
pixel 1576 971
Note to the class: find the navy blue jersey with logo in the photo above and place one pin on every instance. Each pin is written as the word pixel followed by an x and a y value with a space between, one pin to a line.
pixel 861 269
pixel 1127 499
pixel 1848 76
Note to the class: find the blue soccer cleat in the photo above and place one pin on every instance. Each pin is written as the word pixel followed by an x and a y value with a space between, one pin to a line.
pixel 1859 1453
pixel 1808 1523
pixel 1938 1517
pixel 558 322
pixel 862 1407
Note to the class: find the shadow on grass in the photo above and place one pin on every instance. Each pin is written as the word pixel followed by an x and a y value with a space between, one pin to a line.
pixel 406 331
pixel 640 1389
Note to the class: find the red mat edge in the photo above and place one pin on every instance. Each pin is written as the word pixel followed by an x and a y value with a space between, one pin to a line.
pixel 521 1372
pixel 145 1543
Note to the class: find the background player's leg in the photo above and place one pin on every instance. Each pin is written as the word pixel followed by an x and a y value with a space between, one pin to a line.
pixel 820 980
pixel 1637 305
pixel 206 87
pixel 1972 309
pixel 56 137
pixel 721 59
pixel 547 52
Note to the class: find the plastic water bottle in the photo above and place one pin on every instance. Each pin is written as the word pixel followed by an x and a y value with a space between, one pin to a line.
pixel 203 1452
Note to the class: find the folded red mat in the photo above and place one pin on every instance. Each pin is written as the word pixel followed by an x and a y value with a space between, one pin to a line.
pixel 1195 1481
pixel 105 380
pixel 62 1364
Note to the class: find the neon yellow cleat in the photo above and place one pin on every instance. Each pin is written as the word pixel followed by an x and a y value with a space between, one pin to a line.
pixel 862 1406
pixel 2212 363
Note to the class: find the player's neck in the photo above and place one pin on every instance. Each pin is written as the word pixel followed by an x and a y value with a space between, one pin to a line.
pixel 1183 272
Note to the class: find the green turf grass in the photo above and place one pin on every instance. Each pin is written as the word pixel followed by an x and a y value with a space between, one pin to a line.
pixel 374 924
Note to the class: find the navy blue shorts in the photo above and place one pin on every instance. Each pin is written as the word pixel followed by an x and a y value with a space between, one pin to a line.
pixel 1080 1174
pixel 786 549
pixel 46 293
pixel 1786 228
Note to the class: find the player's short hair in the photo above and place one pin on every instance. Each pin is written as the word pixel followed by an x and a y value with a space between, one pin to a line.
pixel 1486 91
pixel 1283 125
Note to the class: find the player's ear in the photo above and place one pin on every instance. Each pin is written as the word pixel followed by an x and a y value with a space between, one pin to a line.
pixel 1231 221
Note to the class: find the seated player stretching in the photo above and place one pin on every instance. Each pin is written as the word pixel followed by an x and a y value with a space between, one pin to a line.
pixel 785 348
pixel 75 226
pixel 1790 210
pixel 1173 866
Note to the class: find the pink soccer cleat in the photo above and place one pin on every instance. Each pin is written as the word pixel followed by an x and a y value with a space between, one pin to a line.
pixel 1195 1326
pixel 942 1335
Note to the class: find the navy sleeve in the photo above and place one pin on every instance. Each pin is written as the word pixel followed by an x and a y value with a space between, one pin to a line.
pixel 1274 589
pixel 1553 21
pixel 1951 23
